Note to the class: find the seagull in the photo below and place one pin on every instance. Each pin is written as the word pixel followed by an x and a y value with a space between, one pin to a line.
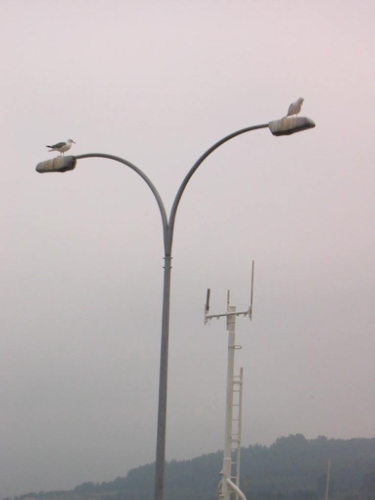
pixel 61 147
pixel 295 107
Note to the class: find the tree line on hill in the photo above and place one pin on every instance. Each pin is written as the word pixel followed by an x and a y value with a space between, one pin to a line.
pixel 292 468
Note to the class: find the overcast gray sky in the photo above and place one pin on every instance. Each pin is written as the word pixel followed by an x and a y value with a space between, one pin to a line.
pixel 158 83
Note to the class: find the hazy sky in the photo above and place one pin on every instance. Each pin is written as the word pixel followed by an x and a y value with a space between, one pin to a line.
pixel 158 83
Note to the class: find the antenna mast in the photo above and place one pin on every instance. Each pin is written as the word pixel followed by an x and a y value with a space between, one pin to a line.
pixel 230 482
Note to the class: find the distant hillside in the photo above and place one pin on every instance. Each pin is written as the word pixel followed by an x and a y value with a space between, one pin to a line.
pixel 292 468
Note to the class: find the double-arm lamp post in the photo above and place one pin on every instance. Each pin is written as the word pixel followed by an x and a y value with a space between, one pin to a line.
pixel 285 126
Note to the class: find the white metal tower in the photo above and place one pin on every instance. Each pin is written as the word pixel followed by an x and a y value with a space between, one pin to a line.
pixel 230 483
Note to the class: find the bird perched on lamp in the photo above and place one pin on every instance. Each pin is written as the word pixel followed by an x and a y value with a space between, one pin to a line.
pixel 295 107
pixel 61 147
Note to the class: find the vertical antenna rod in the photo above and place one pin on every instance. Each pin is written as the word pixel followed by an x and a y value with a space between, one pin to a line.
pixel 207 306
pixel 251 292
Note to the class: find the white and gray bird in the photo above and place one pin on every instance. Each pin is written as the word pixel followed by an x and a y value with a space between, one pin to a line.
pixel 61 147
pixel 295 107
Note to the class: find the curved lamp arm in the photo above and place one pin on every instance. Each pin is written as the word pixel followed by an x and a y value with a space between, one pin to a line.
pixel 148 181
pixel 189 175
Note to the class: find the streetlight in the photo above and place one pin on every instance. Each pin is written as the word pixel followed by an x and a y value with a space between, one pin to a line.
pixel 285 126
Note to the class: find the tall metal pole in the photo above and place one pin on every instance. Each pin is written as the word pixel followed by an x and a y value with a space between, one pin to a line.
pixel 279 127
pixel 168 231
pixel 227 460
pixel 163 380
pixel 163 383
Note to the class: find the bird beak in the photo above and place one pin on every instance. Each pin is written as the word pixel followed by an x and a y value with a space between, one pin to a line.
pixel 74 141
